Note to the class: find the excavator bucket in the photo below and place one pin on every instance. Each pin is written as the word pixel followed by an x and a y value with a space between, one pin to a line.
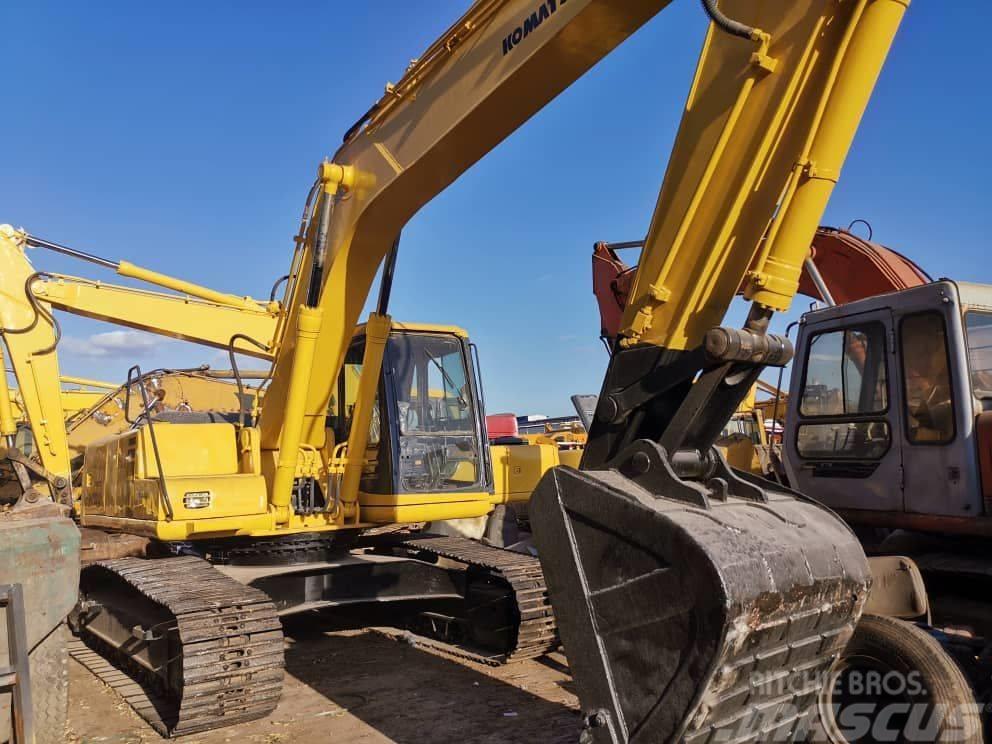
pixel 690 616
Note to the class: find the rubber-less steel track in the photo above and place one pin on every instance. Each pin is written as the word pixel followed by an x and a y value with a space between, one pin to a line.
pixel 536 633
pixel 226 657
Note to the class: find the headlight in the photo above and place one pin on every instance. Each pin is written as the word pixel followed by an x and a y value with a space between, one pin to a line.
pixel 196 499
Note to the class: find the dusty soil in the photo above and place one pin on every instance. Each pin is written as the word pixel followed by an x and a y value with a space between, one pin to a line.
pixel 368 686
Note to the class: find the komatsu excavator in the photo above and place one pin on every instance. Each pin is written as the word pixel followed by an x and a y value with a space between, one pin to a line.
pixel 678 584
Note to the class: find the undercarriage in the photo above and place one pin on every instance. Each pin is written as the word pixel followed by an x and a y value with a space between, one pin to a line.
pixel 195 629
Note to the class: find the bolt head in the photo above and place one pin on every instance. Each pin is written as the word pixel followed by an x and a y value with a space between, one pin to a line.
pixel 640 463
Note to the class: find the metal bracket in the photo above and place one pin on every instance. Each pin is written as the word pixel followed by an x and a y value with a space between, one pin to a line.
pixel 648 465
pixel 146 635
pixel 687 475
pixel 17 674
pixel 24 468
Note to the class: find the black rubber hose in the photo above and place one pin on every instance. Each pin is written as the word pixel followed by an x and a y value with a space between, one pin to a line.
pixel 231 351
pixel 735 28
pixel 39 312
pixel 275 287
pixel 354 129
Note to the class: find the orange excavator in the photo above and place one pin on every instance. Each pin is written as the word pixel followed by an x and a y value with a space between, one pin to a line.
pixel 888 420
pixel 841 268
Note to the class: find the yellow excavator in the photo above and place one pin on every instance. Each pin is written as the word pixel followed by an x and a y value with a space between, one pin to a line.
pixel 678 584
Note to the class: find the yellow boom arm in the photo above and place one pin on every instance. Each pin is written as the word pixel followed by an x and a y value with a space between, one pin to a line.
pixel 201 315
pixel 490 72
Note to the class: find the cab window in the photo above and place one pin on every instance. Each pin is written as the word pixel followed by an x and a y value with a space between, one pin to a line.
pixel 846 373
pixel 926 379
pixel 439 446
pixel 341 411
pixel 979 329
pixel 845 396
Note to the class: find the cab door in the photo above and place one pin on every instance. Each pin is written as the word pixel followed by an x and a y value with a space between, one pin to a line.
pixel 940 465
pixel 842 443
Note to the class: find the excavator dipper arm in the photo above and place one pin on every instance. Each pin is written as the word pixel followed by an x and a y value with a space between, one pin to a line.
pixel 696 603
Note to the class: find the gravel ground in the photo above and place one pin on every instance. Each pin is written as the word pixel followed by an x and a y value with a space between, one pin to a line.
pixel 368 686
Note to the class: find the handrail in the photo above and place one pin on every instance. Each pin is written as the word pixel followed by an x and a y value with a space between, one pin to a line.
pixel 134 374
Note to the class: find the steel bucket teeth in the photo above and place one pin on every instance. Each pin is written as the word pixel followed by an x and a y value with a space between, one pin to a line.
pixel 695 623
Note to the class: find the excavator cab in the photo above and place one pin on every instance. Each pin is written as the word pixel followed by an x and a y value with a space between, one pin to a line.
pixel 426 431
pixel 894 391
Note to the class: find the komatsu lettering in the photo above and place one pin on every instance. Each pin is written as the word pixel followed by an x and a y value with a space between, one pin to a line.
pixel 544 11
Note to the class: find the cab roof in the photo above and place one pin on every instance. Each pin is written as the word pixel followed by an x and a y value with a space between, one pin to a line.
pixel 399 325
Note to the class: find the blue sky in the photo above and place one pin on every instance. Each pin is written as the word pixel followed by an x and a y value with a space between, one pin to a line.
pixel 183 136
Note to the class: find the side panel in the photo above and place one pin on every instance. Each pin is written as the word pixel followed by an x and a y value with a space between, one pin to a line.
pixel 517 468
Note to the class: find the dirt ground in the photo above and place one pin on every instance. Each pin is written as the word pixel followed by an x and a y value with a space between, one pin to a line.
pixel 367 686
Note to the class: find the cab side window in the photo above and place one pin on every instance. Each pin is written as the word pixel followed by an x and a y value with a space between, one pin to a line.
pixel 979 326
pixel 845 395
pixel 926 379
pixel 341 411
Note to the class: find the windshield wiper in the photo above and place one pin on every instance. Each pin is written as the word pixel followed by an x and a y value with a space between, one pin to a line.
pixel 447 379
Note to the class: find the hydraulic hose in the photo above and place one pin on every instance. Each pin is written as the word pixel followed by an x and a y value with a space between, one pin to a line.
pixel 275 287
pixel 729 25
pixel 231 352
pixel 39 312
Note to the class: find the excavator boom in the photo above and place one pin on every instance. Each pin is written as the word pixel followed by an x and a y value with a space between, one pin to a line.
pixel 481 80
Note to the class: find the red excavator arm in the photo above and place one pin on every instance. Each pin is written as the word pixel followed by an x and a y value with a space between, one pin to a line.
pixel 847 267
pixel 853 268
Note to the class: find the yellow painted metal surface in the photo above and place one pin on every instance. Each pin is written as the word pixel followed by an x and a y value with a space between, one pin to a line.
pixel 10 410
pixel 30 342
pixel 74 401
pixel 861 53
pixel 133 271
pixel 406 325
pixel 398 514
pixel 87 382
pixel 176 391
pixel 121 475
pixel 518 467
pixel 376 334
pixel 189 449
pixel 570 457
pixel 281 480
pixel 462 97
pixel 196 320
pixel 751 133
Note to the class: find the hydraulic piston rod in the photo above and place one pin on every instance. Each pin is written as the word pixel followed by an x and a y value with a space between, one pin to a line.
pixel 133 271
